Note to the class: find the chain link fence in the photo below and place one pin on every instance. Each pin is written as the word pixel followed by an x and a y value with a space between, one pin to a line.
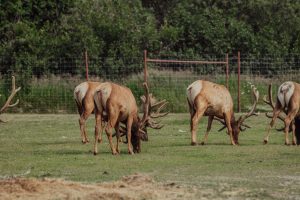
pixel 47 87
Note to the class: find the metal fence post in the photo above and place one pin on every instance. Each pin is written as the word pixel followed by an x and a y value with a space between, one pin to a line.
pixel 145 67
pixel 86 65
pixel 227 71
pixel 239 82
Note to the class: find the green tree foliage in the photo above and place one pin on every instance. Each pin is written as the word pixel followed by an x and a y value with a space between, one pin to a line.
pixel 36 35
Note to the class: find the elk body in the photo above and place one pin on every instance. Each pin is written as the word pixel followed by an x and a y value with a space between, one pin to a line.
pixel 213 100
pixel 287 101
pixel 84 97
pixel 120 105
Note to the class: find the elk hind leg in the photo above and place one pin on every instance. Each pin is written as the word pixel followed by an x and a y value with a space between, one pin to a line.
pixel 97 126
pixel 194 122
pixel 82 123
pixel 287 121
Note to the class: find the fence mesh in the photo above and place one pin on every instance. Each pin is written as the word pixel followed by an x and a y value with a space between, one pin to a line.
pixel 47 86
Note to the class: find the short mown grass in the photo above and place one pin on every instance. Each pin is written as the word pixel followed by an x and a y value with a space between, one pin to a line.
pixel 35 145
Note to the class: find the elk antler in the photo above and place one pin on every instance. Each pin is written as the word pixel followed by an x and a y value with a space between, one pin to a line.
pixel 270 102
pixel 13 93
pixel 222 122
pixel 252 112
pixel 154 108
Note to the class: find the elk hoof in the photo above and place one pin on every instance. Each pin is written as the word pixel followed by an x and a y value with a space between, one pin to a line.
pixel 287 143
pixel 294 143
pixel 194 143
pixel 202 143
pixel 130 152
pixel 265 141
pixel 99 140
pixel 95 153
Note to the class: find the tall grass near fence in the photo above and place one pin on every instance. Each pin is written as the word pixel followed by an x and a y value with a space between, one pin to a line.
pixel 55 94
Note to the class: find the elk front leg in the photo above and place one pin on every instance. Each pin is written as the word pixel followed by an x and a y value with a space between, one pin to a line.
pixel 210 120
pixel 229 128
pixel 129 125
pixel 117 126
pixel 97 126
pixel 294 141
pixel 275 115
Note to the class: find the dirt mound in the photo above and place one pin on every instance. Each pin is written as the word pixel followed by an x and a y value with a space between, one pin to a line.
pixel 136 186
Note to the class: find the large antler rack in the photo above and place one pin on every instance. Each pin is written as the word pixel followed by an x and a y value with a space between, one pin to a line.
pixel 242 119
pixel 11 96
pixel 270 102
pixel 252 112
pixel 152 109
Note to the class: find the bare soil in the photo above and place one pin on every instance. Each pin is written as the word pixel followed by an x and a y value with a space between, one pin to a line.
pixel 136 186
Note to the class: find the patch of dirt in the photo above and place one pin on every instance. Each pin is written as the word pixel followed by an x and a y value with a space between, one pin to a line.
pixel 136 186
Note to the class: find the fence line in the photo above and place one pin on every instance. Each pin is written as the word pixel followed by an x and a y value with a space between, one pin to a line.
pixel 47 86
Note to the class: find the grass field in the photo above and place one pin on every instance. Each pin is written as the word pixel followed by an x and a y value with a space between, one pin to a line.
pixel 33 145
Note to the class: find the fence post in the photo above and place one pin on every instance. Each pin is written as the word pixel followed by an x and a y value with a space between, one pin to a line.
pixel 86 65
pixel 227 71
pixel 239 82
pixel 145 67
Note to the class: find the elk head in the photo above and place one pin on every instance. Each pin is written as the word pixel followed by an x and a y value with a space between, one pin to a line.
pixel 240 125
pixel 152 109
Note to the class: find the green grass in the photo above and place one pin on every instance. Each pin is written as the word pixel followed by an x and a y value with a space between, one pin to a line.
pixel 33 145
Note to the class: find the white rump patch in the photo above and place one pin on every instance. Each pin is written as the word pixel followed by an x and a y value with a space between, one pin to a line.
pixel 105 90
pixel 193 90
pixel 80 92
pixel 285 92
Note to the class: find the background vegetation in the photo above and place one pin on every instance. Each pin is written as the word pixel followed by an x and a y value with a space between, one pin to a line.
pixel 33 32
pixel 43 43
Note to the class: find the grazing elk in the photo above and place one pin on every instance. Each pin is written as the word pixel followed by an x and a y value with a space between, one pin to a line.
pixel 214 100
pixel 84 97
pixel 120 105
pixel 287 101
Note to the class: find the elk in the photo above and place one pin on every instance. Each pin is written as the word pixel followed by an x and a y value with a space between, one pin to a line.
pixel 120 105
pixel 84 97
pixel 287 101
pixel 8 104
pixel 213 100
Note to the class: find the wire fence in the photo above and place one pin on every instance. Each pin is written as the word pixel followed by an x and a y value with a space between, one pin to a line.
pixel 47 87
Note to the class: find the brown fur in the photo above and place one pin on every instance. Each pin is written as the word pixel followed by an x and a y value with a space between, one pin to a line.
pixel 120 106
pixel 85 107
pixel 213 100
pixel 292 111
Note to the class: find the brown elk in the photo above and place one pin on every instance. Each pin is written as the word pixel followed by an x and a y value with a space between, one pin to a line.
pixel 287 101
pixel 120 105
pixel 214 100
pixel 84 97
pixel 8 104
